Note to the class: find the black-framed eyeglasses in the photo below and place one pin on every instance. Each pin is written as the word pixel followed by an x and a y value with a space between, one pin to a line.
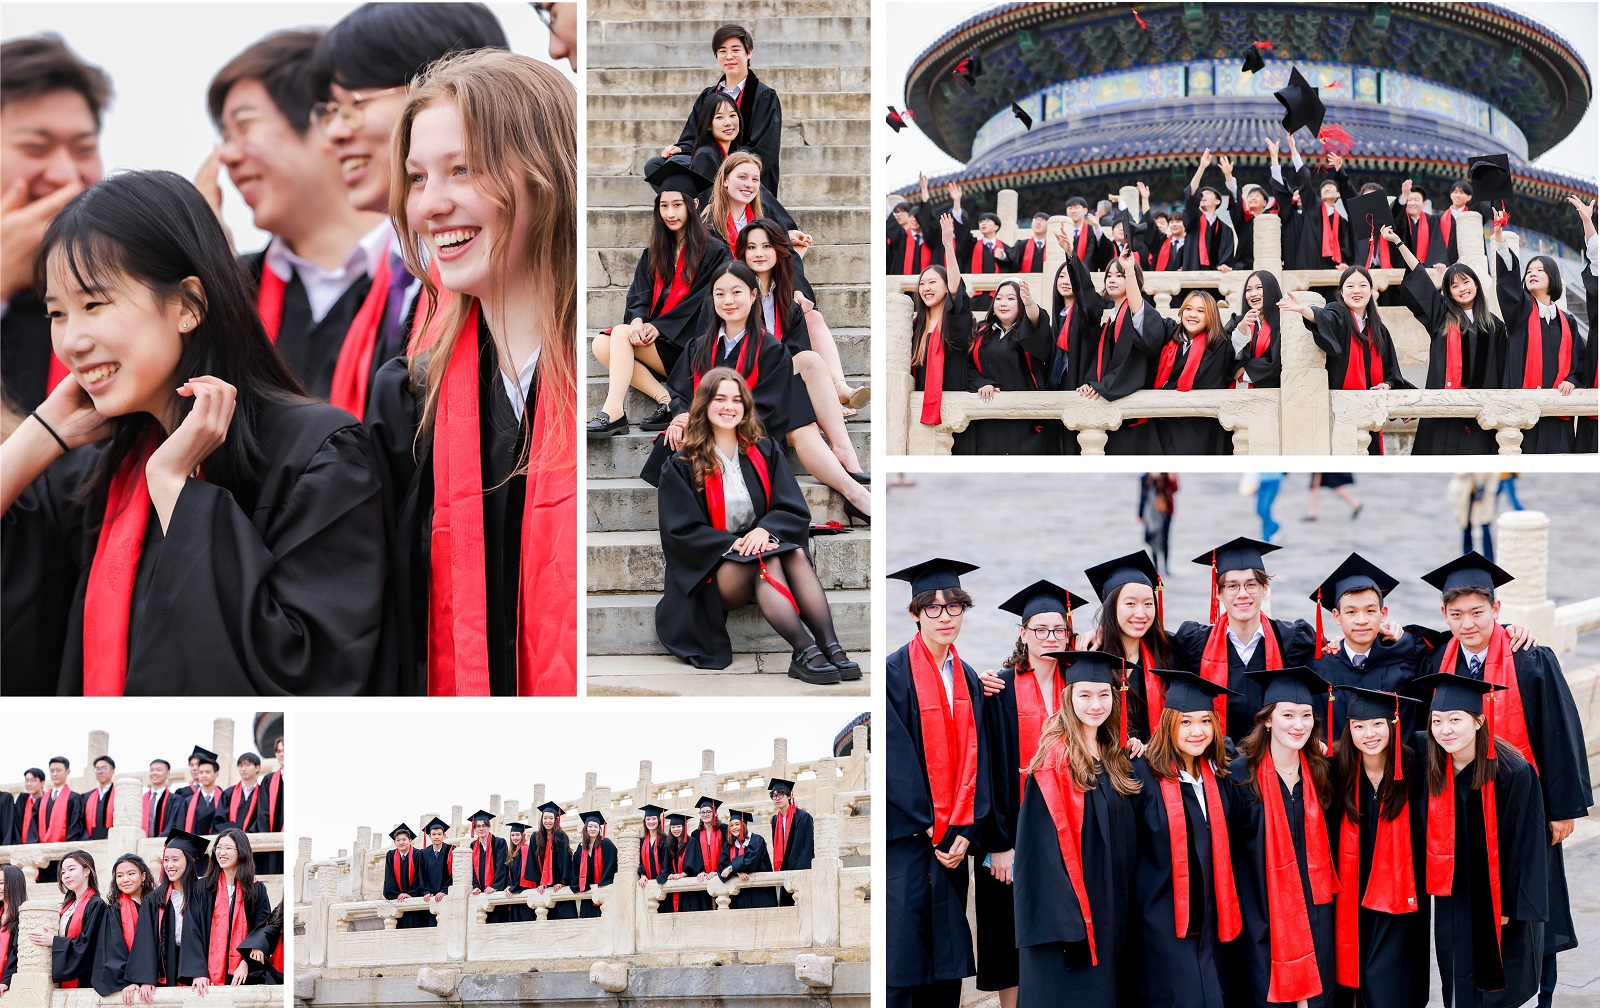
pixel 546 14
pixel 1046 633
pixel 942 608
pixel 353 114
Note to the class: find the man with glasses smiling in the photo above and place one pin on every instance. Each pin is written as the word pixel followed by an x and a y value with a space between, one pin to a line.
pixel 939 792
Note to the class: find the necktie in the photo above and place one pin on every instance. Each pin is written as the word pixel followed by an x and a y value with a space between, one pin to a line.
pixel 393 306
pixel 1475 666
pixel 1358 660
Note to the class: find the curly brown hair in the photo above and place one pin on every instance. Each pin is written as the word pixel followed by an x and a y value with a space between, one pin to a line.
pixel 699 446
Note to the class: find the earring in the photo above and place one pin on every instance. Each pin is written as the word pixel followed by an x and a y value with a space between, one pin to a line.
pixel 184 326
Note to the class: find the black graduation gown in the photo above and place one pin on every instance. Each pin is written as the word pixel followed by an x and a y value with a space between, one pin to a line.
pixel 976 257
pixel 392 416
pixel 210 816
pixel 1083 330
pixel 672 864
pixel 690 620
pixel 1409 232
pixel 265 938
pixel 398 879
pixel 20 808
pixel 25 345
pixel 1296 644
pixel 560 856
pixel 1097 249
pixel 1482 356
pixel 754 858
pixel 111 972
pixel 154 957
pixel 10 825
pixel 1130 367
pixel 435 869
pixel 602 868
pixel 1556 737
pixel 956 331
pixel 760 124
pixel 1463 940
pixel 1394 947
pixel 238 597
pixel 75 958
pixel 194 959
pixel 311 348
pixel 1166 971
pixel 1264 370
pixel 9 973
pixel 801 848
pixel 495 877
pixel 1051 940
pixel 678 327
pixel 1248 833
pixel 1588 427
pixel 1308 251
pixel 1331 331
pixel 928 937
pixel 269 819
pixel 1195 435
pixel 1012 360
pixel 81 812
pixel 1018 259
pixel 896 237
pixel 1244 231
pixel 694 862
pixel 1552 434
pixel 1219 237
pixel 1389 667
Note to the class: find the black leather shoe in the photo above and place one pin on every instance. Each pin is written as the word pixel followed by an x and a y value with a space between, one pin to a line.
pixel 658 420
pixel 862 478
pixel 855 514
pixel 809 666
pixel 847 669
pixel 602 426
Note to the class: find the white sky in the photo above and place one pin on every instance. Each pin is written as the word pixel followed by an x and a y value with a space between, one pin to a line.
pixel 161 57
pixel 42 729
pixel 915 26
pixel 460 759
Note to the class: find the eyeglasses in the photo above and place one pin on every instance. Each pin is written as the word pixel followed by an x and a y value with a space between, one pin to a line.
pixel 1250 587
pixel 545 13
pixel 1047 633
pixel 322 113
pixel 944 608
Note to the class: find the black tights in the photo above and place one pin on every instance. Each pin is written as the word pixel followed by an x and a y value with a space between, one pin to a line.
pixel 738 583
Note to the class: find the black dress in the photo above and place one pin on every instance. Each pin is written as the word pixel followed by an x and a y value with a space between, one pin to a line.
pixel 1122 362
pixel 241 595
pixel 1194 435
pixel 955 329
pixel 1552 434
pixel 1012 360
pixel 194 958
pixel 678 326
pixel 74 959
pixel 1482 356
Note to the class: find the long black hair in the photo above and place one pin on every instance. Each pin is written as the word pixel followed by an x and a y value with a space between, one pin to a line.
pixel 244 872
pixel 1374 322
pixel 153 229
pixel 755 327
pixel 702 129
pixel 16 893
pixel 1481 320
pixel 191 877
pixel 1271 294
pixel 782 267
pixel 146 883
pixel 664 245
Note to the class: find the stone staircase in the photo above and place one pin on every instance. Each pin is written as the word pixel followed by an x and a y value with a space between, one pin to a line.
pixel 648 59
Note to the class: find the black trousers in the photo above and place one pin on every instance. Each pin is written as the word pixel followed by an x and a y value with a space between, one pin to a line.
pixel 940 994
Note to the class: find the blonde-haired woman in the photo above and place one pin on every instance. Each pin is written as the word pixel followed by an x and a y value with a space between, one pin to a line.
pixel 737 198
pixel 478 423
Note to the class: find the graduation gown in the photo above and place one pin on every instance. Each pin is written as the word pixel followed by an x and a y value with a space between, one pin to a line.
pixel 75 958
pixel 1393 947
pixel 799 848
pixel 928 937
pixel 1012 360
pixel 1082 330
pixel 694 863
pixel 1308 250
pixel 1130 366
pixel 10 825
pixel 1219 242
pixel 896 239
pixel 1244 230
pixel 752 858
pixel 240 810
pixel 1552 434
pixel 1482 356
pixel 1588 427
pixel 239 596
pixel 672 864
pixel 955 329
pixel 494 876
pixel 103 805
pixel 1463 941
pixel 560 857
pixel 25 345
pixel 265 937
pixel 8 974
pixel 760 124
pixel 690 620
pixel 1095 249
pixel 1261 369
pixel 1248 832
pixel 210 815
pixel 1411 233
pixel 977 257
pixel 111 973
pixel 1194 435
pixel 154 958
pixel 436 868
pixel 1166 971
pixel 404 879
pixel 1388 667
pixel 311 348
pixel 600 863
pixel 193 961
pixel 1296 645
pixel 679 325
pixel 1332 334
pixel 1026 254
pixel 269 819
pixel 1051 938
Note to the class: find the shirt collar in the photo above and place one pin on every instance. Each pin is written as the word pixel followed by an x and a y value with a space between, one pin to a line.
pixel 1260 632
pixel 367 255
pixel 517 391
pixel 730 341
pixel 1547 312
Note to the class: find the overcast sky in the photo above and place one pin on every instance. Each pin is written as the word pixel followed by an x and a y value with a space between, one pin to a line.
pixel 161 57
pixel 30 738
pixel 915 26
pixel 378 774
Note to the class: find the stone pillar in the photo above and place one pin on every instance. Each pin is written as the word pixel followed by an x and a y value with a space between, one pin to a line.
pixel 124 837
pixel 510 809
pixel 641 791
pixel 538 796
pixel 1523 549
pixel 455 818
pixel 1470 237
pixel 1303 402
pixel 31 985
pixel 590 781
pixel 602 800
pixel 1054 254
pixel 494 805
pixel 1268 235
pixel 454 920
pixel 99 745
pixel 1130 202
pixel 622 908
pixel 708 773
pixel 897 322
pixel 1005 206
pixel 222 745
pixel 824 882
pixel 358 862
pixel 780 758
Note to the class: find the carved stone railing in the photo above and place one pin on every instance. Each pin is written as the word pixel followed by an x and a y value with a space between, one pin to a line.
pixel 1507 412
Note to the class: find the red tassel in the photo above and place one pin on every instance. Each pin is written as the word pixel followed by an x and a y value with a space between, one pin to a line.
pixel 1330 709
pixel 1488 722
pixel 1396 743
pixel 1123 731
pixel 1137 18
pixel 1331 86
pixel 1336 140
pixel 1262 45
pixel 1214 607
pixel 1160 619
pixel 1322 642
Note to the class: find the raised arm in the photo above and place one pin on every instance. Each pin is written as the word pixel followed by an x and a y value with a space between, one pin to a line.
pixel 952 262
pixel 1200 170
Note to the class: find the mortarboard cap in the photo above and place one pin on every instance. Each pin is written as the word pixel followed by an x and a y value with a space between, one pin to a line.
pixel 779 784
pixel 1252 57
pixel 1356 573
pixel 969 68
pixel 1238 554
pixel 933 575
pixel 1491 177
pixel 651 810
pixel 1431 639
pixel 482 816
pixel 1022 115
pixel 193 847
pixel 205 756
pixel 1135 568
pixel 517 827
pixel 707 800
pixel 589 817
pixel 1366 704
pixel 1302 106
pixel 896 120
pixel 1188 693
pixel 552 808
pixel 676 174
pixel 402 828
pixel 1042 597
pixel 1454 692
pixel 741 815
pixel 436 823
pixel 1471 570
pixel 677 818
pixel 1295 684
pixel 1090 666
pixel 1374 204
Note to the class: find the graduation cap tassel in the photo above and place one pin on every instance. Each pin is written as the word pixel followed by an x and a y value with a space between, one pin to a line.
pixel 1262 45
pixel 1122 733
pixel 1214 608
pixel 1336 139
pixel 1137 18
pixel 1161 620
pixel 1397 743
pixel 1322 642
pixel 1330 715
pixel 1488 723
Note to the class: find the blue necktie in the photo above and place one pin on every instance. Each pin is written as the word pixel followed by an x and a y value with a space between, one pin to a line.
pixel 393 307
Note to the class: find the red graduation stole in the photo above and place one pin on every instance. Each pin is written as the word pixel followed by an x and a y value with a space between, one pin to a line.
pixel 1330 233
pixel 1263 341
pixel 223 959
pixel 1205 244
pixel 1419 228
pixel 1164 255
pixel 522 867
pixel 1440 862
pixel 933 371
pixel 675 294
pixel 1452 357
pixel 1066 326
pixel 913 248
pixel 273 822
pixel 1065 802
pixel 483 863
pixel 750 345
pixel 1391 883
pixel 1154 702
pixel 91 809
pixel 677 869
pixel 588 866
pixel 1533 363
pixel 5 943
pixel 28 805
pixel 1363 372
pixel 349 390
pixel 1214 662
pixel 1115 326
pixel 1083 242
pixel 195 798
pixel 395 864
pixel 710 847
pixel 734 225
pixel 1191 363
pixel 1028 254
pixel 108 601
pixel 144 816
pixel 949 740
pixel 547 870
pixel 55 829
pixel 1294 956
pixel 75 925
pixel 269 300
pixel 1229 922
pixel 127 914
pixel 1378 253
pixel 233 806
pixel 1032 711
pixel 1499 667
pixel 782 825
pixel 650 855
pixel 458 649
pixel 716 504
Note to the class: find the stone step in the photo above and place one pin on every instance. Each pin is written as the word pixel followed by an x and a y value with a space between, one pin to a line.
pixel 630 228
pixel 629 159
pixel 657 133
pixel 623 455
pixel 825 264
pixel 629 505
pixel 799 189
pixel 778 53
pixel 693 79
pixel 798 107
pixel 621 562
pixel 626 625
pixel 639 407
pixel 601 11
pixel 855 353
pixel 844 306
pixel 766 31
pixel 763 675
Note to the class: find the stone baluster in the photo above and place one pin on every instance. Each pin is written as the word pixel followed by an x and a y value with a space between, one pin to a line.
pixel 590 781
pixel 780 758
pixel 455 818
pixel 823 885
pixel 1523 549
pixel 1471 250
pixel 454 920
pixel 31 985
pixel 1304 403
pixel 222 745
pixel 538 796
pixel 124 837
pixel 622 908
pixel 708 774
pixel 600 801
pixel 508 811
pixel 1005 207
pixel 1268 250
pixel 1054 254
pixel 641 791
pixel 494 806
pixel 359 856
pixel 99 745
pixel 897 320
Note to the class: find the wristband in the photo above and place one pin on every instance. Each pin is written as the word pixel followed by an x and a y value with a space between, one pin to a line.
pixel 52 430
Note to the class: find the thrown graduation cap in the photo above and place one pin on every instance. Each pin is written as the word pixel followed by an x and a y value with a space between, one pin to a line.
pixel 1134 568
pixel 897 120
pixel 193 847
pixel 652 810
pixel 1295 684
pixel 1356 573
pixel 1471 570
pixel 1189 693
pixel 969 68
pixel 402 828
pixel 1242 553
pixel 1090 667
pixel 741 815
pixel 1021 113
pixel 677 174
pixel 1454 692
pixel 1369 215
pixel 707 800
pixel 552 808
pixel 436 823
pixel 1042 597
pixel 1302 106
pixel 1252 57
pixel 482 815
pixel 933 575
pixel 1491 177
pixel 589 817
pixel 1366 704
pixel 779 784
pixel 517 827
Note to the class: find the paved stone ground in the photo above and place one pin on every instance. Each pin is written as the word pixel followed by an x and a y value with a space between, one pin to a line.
pixel 1024 527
